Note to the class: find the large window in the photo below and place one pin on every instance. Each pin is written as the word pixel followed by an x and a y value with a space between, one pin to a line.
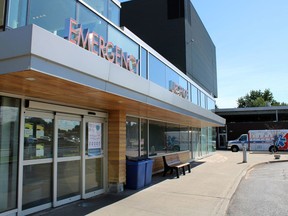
pixel 166 138
pixel 143 63
pixel 107 8
pixel 91 21
pixel 114 13
pixel 101 6
pixel 17 10
pixel 9 142
pixel 51 15
pixel 132 137
pixel 157 71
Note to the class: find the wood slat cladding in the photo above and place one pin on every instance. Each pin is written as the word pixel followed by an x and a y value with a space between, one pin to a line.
pixel 117 147
pixel 53 89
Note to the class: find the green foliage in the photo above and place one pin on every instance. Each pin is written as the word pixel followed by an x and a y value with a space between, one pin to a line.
pixel 257 98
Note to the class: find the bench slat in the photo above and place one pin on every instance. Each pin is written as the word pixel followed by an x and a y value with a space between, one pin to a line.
pixel 172 162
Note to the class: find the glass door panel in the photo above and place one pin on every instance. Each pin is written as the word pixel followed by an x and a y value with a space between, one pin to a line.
pixel 68 159
pixel 93 174
pixel 38 160
pixel 38 137
pixel 37 185
pixel 94 157
pixel 68 184
pixel 68 138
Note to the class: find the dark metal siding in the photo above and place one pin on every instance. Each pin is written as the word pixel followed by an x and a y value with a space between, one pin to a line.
pixel 172 38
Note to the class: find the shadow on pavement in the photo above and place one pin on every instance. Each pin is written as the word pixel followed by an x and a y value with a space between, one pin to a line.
pixel 83 207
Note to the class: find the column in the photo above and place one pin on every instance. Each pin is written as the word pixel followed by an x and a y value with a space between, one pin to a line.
pixel 116 150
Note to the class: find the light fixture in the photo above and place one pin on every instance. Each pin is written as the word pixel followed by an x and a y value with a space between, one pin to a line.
pixel 30 78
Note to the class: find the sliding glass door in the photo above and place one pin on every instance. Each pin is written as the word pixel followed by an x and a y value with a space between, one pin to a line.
pixel 63 159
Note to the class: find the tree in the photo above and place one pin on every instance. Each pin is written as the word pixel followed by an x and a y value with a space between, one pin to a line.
pixel 257 98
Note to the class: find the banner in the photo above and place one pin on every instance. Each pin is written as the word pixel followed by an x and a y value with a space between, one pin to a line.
pixel 94 138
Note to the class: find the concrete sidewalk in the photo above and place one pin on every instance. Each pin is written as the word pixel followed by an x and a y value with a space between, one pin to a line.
pixel 207 190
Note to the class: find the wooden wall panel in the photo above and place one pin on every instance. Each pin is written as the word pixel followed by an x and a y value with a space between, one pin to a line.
pixel 117 147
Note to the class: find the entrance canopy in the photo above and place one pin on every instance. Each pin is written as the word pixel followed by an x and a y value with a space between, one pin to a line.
pixel 36 64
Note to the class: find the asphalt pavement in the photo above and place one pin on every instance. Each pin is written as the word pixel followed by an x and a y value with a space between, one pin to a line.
pixel 207 190
pixel 262 192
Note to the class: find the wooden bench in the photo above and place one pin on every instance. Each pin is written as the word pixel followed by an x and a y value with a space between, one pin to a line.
pixel 172 162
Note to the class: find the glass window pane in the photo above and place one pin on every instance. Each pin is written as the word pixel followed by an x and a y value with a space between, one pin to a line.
pixel 132 137
pixel 51 15
pixel 184 84
pixel 196 142
pixel 144 138
pixel 203 100
pixel 156 138
pixel 184 138
pixel 194 94
pixel 94 138
pixel 211 104
pixel 101 6
pixel 2 8
pixel 114 13
pixel 68 138
pixel 94 174
pixel 17 13
pixel 143 63
pixel 157 71
pixel 38 138
pixel 9 142
pixel 172 138
pixel 204 140
pixel 164 138
pixel 172 78
pixel 91 21
pixel 68 184
pixel 37 185
pixel 122 41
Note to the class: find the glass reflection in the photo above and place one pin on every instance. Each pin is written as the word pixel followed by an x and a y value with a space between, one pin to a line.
pixel 68 138
pixel 114 13
pixel 94 174
pixel 157 71
pixel 2 8
pixel 90 20
pixel 50 17
pixel 37 185
pixel 9 142
pixel 101 6
pixel 68 184
pixel 143 63
pixel 132 137
pixel 122 41
pixel 38 138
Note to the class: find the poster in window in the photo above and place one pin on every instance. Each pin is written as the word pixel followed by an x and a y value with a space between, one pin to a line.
pixel 94 138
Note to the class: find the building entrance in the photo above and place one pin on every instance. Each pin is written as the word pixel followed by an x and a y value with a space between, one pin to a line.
pixel 63 159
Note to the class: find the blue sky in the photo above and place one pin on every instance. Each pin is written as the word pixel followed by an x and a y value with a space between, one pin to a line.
pixel 251 39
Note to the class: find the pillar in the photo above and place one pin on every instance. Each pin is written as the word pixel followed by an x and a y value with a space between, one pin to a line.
pixel 116 150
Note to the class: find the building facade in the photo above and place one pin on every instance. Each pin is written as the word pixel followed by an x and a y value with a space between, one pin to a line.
pixel 178 34
pixel 79 93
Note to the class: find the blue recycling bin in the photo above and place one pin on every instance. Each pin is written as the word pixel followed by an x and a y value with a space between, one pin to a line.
pixel 135 174
pixel 148 172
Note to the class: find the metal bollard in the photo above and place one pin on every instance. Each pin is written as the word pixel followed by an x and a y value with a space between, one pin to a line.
pixel 244 154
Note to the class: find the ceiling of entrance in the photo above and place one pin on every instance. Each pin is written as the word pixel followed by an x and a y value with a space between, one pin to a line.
pixel 36 85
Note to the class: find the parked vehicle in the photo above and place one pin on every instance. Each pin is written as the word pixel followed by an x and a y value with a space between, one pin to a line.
pixel 261 140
